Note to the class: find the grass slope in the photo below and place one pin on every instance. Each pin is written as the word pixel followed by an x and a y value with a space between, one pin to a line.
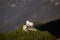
pixel 29 35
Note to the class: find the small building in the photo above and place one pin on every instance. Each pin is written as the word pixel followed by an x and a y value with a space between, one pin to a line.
pixel 28 26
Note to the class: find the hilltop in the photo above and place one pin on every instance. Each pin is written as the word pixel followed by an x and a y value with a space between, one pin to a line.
pixel 29 35
pixel 43 33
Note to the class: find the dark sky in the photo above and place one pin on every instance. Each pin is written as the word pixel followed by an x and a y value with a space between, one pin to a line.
pixel 14 12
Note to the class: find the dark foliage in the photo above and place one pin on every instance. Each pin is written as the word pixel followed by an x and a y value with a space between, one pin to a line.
pixel 53 27
pixel 2 36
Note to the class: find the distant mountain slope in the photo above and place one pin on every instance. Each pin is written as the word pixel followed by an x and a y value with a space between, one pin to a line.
pixel 15 12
